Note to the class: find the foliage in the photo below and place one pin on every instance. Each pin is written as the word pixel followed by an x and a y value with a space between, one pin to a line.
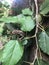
pixel 14 53
pixel 44 42
pixel 18 33
pixel 45 7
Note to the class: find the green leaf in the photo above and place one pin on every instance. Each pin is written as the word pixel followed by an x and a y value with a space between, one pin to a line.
pixel 27 24
pixel 41 62
pixel 27 11
pixel 44 7
pixel 9 19
pixel 12 53
pixel 44 42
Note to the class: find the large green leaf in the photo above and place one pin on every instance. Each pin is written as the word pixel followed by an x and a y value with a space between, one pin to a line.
pixel 44 7
pixel 44 42
pixel 12 53
pixel 41 62
pixel 27 24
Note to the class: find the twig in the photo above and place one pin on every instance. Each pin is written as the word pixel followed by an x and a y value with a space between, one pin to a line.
pixel 36 16
pixel 37 24
pixel 41 28
pixel 27 62
pixel 46 15
pixel 30 37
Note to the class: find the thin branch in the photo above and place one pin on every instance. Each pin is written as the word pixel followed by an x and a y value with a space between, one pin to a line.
pixel 30 37
pixel 37 24
pixel 27 62
pixel 46 15
pixel 36 4
pixel 41 28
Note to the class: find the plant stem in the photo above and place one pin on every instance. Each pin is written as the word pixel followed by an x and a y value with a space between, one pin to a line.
pixel 37 24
